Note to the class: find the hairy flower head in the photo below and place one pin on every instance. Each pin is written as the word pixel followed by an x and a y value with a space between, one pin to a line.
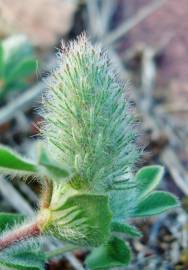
pixel 89 126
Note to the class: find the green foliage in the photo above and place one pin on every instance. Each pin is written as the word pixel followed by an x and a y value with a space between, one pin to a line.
pixel 112 254
pixel 124 202
pixel 83 219
pixel 7 220
pixel 17 63
pixel 155 203
pixel 24 256
pixel 148 178
pixel 125 228
pixel 13 163
pixel 54 169
pixel 22 70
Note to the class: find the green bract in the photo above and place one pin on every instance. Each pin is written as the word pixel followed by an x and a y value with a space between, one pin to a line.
pixel 83 219
pixel 89 129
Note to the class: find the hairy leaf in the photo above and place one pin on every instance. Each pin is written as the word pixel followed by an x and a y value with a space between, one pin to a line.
pixel 148 178
pixel 115 253
pixel 125 228
pixel 156 203
pixel 8 220
pixel 22 257
pixel 11 162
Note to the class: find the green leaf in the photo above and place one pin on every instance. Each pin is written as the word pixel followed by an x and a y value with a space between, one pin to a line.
pixel 83 219
pixel 115 253
pixel 8 220
pixel 54 169
pixel 22 70
pixel 155 203
pixel 10 161
pixel 15 49
pixel 16 63
pixel 22 257
pixel 148 178
pixel 125 228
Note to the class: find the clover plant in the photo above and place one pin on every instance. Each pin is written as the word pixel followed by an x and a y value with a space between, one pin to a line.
pixel 86 166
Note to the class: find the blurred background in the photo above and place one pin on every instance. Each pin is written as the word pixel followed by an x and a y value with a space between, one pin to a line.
pixel 147 41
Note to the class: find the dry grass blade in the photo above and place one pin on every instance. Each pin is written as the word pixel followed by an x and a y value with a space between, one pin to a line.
pixel 125 27
pixel 22 102
pixel 14 198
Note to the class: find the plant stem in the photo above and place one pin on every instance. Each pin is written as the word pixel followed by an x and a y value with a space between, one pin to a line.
pixel 60 251
pixel 19 234
pixel 47 194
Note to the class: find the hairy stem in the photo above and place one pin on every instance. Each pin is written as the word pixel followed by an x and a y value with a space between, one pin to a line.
pixel 19 234
pixel 47 194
